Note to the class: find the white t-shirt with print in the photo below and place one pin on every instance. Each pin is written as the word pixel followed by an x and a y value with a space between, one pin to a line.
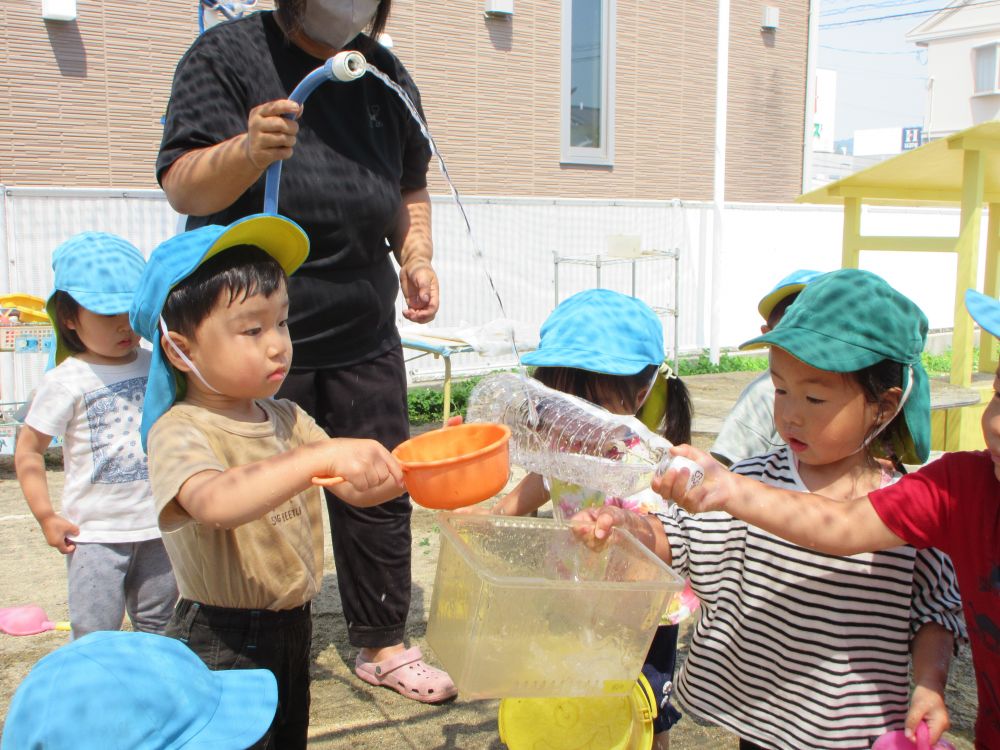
pixel 97 409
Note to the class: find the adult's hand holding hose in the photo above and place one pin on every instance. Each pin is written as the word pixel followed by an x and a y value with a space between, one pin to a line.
pixel 271 132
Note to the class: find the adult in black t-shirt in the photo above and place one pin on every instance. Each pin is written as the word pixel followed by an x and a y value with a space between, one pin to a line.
pixel 355 180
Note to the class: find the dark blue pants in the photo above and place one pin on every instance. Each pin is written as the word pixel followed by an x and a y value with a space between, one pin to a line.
pixel 279 641
pixel 659 672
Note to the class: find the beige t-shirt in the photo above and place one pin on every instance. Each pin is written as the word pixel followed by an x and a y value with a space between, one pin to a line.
pixel 275 562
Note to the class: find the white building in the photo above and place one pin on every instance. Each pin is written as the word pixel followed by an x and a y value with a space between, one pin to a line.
pixel 963 64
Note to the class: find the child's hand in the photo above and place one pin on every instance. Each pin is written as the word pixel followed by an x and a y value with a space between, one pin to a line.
pixel 367 468
pixel 927 705
pixel 712 493
pixel 57 531
pixel 593 526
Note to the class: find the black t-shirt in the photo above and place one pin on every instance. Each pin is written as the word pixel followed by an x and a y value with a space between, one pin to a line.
pixel 357 148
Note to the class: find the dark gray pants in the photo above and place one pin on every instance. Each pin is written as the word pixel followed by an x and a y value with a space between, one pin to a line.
pixel 280 641
pixel 371 546
pixel 108 580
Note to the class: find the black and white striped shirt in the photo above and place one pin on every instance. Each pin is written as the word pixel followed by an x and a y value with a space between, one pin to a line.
pixel 796 649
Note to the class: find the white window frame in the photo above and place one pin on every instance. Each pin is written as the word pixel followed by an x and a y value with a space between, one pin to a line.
pixel 995 46
pixel 603 155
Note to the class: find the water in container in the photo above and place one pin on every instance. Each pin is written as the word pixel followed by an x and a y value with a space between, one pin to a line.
pixel 522 608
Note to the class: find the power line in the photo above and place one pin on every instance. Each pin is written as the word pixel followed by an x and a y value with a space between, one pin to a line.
pixel 898 15
pixel 869 52
pixel 871 6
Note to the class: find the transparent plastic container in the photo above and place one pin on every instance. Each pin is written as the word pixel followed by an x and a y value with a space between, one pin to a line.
pixel 522 609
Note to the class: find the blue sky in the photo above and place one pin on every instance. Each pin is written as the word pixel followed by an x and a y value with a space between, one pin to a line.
pixel 881 79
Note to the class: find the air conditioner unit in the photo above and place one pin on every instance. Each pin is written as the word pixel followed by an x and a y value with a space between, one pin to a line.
pixel 770 20
pixel 59 10
pixel 499 8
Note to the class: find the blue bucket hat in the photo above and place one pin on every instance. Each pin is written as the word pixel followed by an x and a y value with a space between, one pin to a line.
pixel 850 319
pixel 984 310
pixel 601 331
pixel 177 258
pixel 793 283
pixel 100 271
pixel 119 689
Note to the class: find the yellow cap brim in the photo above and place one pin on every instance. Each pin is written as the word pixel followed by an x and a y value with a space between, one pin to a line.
pixel 281 238
pixel 769 302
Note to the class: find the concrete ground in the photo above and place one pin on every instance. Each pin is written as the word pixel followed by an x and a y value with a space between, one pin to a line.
pixel 345 711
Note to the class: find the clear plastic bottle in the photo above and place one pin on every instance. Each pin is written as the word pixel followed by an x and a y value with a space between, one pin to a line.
pixel 558 435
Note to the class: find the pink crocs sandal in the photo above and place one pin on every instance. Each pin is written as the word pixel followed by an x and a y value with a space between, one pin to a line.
pixel 408 675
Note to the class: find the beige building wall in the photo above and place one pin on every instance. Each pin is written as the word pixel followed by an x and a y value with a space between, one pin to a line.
pixel 81 102
pixel 767 91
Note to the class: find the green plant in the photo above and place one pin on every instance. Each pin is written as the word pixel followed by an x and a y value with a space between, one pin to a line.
pixel 937 364
pixel 702 365
pixel 426 405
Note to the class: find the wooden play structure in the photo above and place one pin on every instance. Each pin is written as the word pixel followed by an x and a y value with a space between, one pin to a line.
pixel 961 170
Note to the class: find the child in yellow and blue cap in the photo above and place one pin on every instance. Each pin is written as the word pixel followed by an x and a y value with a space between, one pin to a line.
pixel 231 466
pixel 607 348
pixel 748 429
pixel 952 503
pixel 116 562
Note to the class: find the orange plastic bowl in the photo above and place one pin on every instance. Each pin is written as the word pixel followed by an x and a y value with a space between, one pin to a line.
pixel 456 466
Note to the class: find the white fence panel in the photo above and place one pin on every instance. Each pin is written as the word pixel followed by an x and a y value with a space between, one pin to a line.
pixel 37 220
pixel 517 238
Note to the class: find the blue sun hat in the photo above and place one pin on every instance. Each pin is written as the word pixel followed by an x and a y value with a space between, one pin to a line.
pixel 984 310
pixel 120 690
pixel 793 283
pixel 177 258
pixel 100 271
pixel 848 320
pixel 601 331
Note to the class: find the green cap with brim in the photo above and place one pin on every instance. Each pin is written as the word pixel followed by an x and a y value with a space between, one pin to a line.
pixel 850 319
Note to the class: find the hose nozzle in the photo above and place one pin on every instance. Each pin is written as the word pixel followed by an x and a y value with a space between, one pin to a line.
pixel 345 66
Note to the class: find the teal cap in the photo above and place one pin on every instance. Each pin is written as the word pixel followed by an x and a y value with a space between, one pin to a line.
pixel 848 320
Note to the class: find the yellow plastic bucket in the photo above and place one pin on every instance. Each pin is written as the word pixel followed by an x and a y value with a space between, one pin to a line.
pixel 614 722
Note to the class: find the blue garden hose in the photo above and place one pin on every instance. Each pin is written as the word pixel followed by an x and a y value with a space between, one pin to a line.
pixel 231 10
pixel 344 66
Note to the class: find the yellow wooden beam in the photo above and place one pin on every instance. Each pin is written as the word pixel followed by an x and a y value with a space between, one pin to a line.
pixel 991 285
pixel 904 194
pixel 973 173
pixel 852 233
pixel 974 143
pixel 908 244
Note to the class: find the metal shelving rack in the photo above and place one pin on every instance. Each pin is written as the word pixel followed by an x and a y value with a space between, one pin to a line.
pixel 646 256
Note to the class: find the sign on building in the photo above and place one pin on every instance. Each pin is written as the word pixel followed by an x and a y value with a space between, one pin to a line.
pixel 912 138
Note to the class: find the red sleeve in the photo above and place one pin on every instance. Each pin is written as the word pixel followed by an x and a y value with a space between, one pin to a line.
pixel 918 507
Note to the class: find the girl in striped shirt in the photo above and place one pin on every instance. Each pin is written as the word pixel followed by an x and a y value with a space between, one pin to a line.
pixel 797 649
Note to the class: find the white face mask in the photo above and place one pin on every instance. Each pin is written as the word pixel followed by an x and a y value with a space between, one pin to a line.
pixel 165 335
pixel 336 22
